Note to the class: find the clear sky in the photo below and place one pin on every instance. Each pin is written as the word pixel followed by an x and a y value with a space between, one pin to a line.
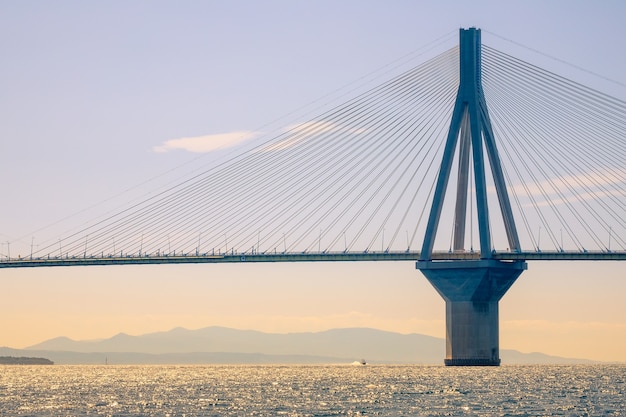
pixel 95 96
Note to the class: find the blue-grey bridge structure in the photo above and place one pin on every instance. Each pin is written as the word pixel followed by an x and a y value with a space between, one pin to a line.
pixel 259 201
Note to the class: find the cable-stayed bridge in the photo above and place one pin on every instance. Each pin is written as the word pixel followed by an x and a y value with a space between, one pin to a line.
pixel 367 181
pixel 360 178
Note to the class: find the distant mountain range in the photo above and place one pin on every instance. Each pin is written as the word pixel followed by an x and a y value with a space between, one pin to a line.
pixel 221 345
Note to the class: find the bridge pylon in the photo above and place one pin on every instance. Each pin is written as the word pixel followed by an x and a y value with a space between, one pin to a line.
pixel 471 289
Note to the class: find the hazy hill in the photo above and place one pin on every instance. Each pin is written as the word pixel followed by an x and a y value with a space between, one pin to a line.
pixel 224 345
pixel 338 343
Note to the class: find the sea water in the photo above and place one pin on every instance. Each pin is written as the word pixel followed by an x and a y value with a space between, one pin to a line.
pixel 340 390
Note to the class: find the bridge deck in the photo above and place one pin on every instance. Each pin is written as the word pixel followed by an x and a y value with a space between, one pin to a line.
pixel 304 257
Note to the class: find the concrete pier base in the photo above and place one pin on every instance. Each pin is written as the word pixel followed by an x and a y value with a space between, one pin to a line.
pixel 472 290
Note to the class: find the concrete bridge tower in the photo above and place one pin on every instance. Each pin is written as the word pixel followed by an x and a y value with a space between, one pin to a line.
pixel 472 288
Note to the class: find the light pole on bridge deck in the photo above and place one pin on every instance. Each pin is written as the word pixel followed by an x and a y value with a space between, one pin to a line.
pixel 408 245
pixel 319 242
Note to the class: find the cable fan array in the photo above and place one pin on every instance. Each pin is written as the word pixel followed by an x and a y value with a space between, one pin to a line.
pixel 563 148
pixel 360 176
pixel 352 178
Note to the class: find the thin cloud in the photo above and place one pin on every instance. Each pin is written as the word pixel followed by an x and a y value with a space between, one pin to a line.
pixel 206 143
pixel 303 131
pixel 574 199
pixel 560 190
pixel 573 182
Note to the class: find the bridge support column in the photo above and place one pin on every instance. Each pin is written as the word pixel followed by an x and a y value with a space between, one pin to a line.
pixel 472 290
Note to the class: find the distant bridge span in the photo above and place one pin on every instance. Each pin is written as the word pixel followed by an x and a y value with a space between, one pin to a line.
pixel 235 257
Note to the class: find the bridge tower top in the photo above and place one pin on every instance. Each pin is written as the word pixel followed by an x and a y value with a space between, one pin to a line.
pixel 470 127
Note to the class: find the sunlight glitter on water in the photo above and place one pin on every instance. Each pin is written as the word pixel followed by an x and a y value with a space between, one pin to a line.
pixel 312 390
